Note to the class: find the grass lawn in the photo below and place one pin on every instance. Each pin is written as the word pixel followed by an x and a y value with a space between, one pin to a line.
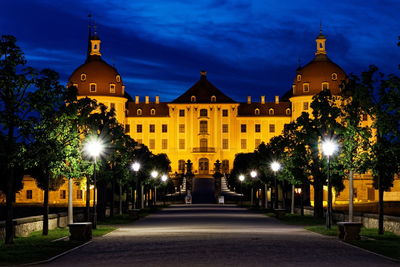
pixel 37 247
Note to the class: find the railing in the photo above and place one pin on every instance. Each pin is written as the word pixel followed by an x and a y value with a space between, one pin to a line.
pixel 204 150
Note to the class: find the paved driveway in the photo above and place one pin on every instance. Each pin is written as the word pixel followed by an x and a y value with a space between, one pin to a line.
pixel 200 235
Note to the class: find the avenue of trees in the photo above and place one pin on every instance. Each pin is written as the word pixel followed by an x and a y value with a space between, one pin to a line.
pixel 372 147
pixel 43 130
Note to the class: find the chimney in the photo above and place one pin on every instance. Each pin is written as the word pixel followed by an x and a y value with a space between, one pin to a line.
pixel 263 99
pixel 137 99
pixel 157 99
pixel 146 99
pixel 248 99
pixel 277 99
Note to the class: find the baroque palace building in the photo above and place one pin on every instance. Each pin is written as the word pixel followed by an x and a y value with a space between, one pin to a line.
pixel 204 124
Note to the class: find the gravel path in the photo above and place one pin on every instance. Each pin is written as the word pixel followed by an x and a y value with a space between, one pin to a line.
pixel 212 235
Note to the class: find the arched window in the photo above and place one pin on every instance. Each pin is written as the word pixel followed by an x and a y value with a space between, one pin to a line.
pixel 112 88
pixel 181 165
pixel 288 111
pixel 203 112
pixel 152 112
pixel 298 77
pixel 83 77
pixel 118 78
pixel 213 98
pixel 306 87
pixel 257 111
pixel 325 86
pixel 271 111
pixel 334 76
pixel 139 112
pixel 93 87
pixel 193 98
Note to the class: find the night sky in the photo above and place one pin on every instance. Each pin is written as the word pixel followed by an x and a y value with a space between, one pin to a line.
pixel 247 47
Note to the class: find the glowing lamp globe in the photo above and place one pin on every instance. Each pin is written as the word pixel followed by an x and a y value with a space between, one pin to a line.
pixel 329 147
pixel 275 166
pixel 164 178
pixel 154 174
pixel 253 174
pixel 136 166
pixel 241 177
pixel 94 147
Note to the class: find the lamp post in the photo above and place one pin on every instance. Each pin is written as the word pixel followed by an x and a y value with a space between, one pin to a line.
pixel 253 174
pixel 298 192
pixel 241 179
pixel 154 175
pixel 275 167
pixel 136 168
pixel 164 179
pixel 329 147
pixel 94 147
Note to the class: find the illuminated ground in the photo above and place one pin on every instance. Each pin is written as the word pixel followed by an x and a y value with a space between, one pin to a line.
pixel 213 235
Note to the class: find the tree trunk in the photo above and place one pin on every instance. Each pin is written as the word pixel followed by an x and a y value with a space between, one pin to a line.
pixel 351 195
pixel 120 199
pixel 9 206
pixel 292 206
pixel 46 208
pixel 380 212
pixel 318 200
pixel 112 197
pixel 266 196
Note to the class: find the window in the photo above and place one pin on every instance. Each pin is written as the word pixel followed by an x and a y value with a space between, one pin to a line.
pixel 112 106
pixel 181 165
pixel 139 128
pixel 28 194
pixel 298 77
pixel 181 128
pixel 257 128
pixel 63 194
pixel 225 144
pixel 118 78
pixel 152 128
pixel 213 98
pixel 224 113
pixel 334 76
pixel 152 143
pixel 152 112
pixel 271 111
pixel 164 144
pixel 193 99
pixel 139 112
pixel 272 128
pixel 181 143
pixel 257 143
pixel 127 128
pixel 364 117
pixel 225 166
pixel 181 113
pixel 112 88
pixel 92 87
pixel 325 86
pixel 243 128
pixel 83 77
pixel 203 127
pixel 203 112
pixel 243 143
pixel 305 105
pixel 225 128
pixel 306 87
pixel 139 141
pixel 79 194
pixel 203 144
pixel 257 111
pixel 164 128
pixel 288 111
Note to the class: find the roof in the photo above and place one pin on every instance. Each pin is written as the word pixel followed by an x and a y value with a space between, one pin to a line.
pixel 203 90
pixel 248 110
pixel 161 109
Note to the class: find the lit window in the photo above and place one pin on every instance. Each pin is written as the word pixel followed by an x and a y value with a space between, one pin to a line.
pixel 63 194
pixel 334 76
pixel 181 165
pixel 112 88
pixel 28 194
pixel 243 143
pixel 325 86
pixel 305 106
pixel 93 87
pixel 139 112
pixel 243 128
pixel 306 87
pixel 225 166
pixel 118 78
pixel 224 113
pixel 83 77
pixel 181 128
pixel 152 144
pixel 79 194
pixel 225 128
pixel 257 128
pixel 152 128
pixel 164 144
pixel 271 111
pixel 112 106
pixel 152 112
pixel 257 111
pixel 181 113
pixel 127 128
pixel 203 127
pixel 193 99
pixel 203 112
pixel 225 144
pixel 272 128
pixel 164 128
pixel 181 143
pixel 298 77
pixel 213 98
pixel 139 128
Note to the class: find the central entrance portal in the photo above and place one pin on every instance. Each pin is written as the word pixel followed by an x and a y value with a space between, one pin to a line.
pixel 203 166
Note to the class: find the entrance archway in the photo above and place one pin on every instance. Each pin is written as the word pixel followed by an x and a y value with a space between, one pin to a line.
pixel 203 166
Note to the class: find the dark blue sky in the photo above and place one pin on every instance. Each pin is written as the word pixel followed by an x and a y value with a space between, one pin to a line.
pixel 247 47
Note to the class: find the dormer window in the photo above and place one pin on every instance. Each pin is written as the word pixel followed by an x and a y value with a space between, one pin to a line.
pixel 306 87
pixel 288 111
pixel 118 78
pixel 83 77
pixel 112 88
pixel 298 77
pixel 93 87
pixel 325 86
pixel 257 111
pixel 334 76
pixel 193 99
pixel 152 112
pixel 213 98
pixel 271 111
pixel 139 112
pixel 203 112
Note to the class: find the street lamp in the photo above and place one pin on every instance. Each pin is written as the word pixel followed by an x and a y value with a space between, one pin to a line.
pixel 329 147
pixel 275 167
pixel 154 175
pixel 253 174
pixel 164 179
pixel 298 192
pixel 136 167
pixel 241 179
pixel 94 148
